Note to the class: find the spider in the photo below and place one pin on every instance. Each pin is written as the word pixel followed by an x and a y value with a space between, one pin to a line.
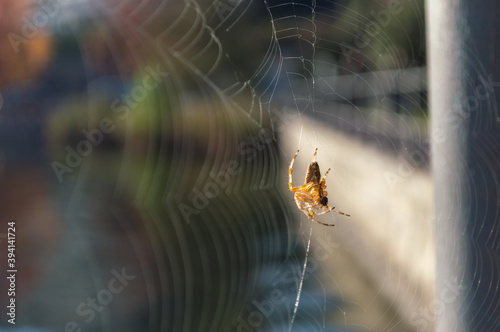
pixel 312 193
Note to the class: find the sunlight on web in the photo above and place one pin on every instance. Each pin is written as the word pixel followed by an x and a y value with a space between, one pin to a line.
pixel 241 75
pixel 301 282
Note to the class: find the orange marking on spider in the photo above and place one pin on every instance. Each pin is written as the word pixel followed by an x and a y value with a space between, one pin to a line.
pixel 312 194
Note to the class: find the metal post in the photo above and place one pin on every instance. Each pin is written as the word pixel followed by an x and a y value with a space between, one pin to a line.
pixel 464 79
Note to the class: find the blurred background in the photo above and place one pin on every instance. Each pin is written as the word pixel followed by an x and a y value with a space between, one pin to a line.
pixel 144 155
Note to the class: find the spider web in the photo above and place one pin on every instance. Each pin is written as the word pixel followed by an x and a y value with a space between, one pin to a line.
pixel 279 85
pixel 242 85
pixel 286 67
pixel 163 130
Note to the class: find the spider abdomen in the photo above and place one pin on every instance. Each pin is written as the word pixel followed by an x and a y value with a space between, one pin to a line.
pixel 313 174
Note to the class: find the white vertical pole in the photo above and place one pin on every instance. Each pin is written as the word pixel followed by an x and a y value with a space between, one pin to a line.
pixel 463 38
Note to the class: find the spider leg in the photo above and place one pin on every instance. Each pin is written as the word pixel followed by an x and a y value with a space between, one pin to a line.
pixel 332 209
pixel 290 183
pixel 308 211
pixel 290 169
pixel 310 214
pixel 299 188
pixel 302 197
pixel 314 156
pixel 306 198
pixel 324 176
